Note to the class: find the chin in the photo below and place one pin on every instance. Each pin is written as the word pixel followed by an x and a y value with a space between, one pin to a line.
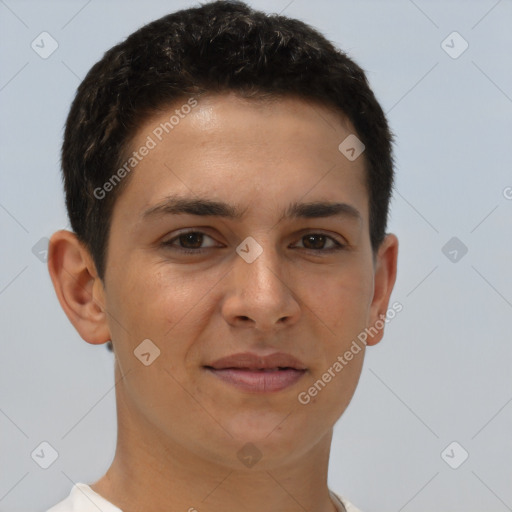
pixel 276 436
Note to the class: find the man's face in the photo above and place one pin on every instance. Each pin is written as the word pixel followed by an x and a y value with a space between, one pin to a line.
pixel 304 295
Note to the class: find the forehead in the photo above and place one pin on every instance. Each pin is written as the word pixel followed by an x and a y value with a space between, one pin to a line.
pixel 250 153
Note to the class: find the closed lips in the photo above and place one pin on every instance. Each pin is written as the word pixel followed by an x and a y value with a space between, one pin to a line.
pixel 253 373
pixel 254 362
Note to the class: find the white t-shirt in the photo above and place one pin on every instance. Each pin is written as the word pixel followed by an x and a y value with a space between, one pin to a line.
pixel 83 499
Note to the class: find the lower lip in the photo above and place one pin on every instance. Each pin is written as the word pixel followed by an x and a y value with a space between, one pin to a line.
pixel 259 381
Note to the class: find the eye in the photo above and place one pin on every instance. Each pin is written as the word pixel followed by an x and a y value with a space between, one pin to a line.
pixel 317 242
pixel 188 242
pixel 191 242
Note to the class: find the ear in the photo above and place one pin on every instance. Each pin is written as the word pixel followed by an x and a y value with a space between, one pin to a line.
pixel 78 287
pixel 384 280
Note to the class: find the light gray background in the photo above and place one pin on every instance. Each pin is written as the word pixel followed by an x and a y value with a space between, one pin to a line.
pixel 442 372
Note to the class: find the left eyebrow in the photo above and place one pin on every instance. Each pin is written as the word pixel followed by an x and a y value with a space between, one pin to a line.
pixel 318 209
pixel 175 205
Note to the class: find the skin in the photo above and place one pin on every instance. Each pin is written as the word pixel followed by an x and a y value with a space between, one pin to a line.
pixel 179 427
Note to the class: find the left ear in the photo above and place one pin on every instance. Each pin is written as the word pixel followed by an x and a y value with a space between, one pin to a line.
pixel 384 280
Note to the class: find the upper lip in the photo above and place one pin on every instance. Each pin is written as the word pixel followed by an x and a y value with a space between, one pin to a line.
pixel 250 361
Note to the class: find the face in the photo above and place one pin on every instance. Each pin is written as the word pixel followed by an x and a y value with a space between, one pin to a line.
pixel 203 283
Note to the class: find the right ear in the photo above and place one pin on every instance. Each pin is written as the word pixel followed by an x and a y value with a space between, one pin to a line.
pixel 79 289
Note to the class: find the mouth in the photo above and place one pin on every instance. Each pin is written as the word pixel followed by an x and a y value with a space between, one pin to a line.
pixel 258 374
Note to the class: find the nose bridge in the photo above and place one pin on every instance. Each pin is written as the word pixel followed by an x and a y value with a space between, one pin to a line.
pixel 258 290
pixel 261 273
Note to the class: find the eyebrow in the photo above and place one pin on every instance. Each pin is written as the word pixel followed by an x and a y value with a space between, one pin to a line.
pixel 176 205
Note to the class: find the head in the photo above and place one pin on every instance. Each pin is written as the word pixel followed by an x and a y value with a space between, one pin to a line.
pixel 220 121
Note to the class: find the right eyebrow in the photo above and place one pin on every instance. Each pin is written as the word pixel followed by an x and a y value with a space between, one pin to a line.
pixel 175 205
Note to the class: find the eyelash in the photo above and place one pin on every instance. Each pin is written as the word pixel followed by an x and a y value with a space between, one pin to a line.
pixel 169 244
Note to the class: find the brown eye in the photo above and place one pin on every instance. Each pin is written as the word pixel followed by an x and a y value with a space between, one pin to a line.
pixel 317 242
pixel 314 241
pixel 189 242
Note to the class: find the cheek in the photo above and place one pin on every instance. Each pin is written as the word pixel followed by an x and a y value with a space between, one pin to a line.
pixel 345 306
pixel 167 309
pixel 144 294
pixel 342 301
pixel 161 304
pixel 178 298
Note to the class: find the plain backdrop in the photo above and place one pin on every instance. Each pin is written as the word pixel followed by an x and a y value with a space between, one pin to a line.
pixel 442 374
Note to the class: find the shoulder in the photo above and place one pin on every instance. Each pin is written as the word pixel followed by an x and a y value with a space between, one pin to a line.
pixel 83 499
pixel 348 506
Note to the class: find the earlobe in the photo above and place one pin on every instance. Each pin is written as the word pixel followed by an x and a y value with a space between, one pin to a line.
pixel 78 287
pixel 384 281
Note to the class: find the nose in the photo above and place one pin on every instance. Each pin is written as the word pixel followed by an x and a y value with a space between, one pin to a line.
pixel 260 295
